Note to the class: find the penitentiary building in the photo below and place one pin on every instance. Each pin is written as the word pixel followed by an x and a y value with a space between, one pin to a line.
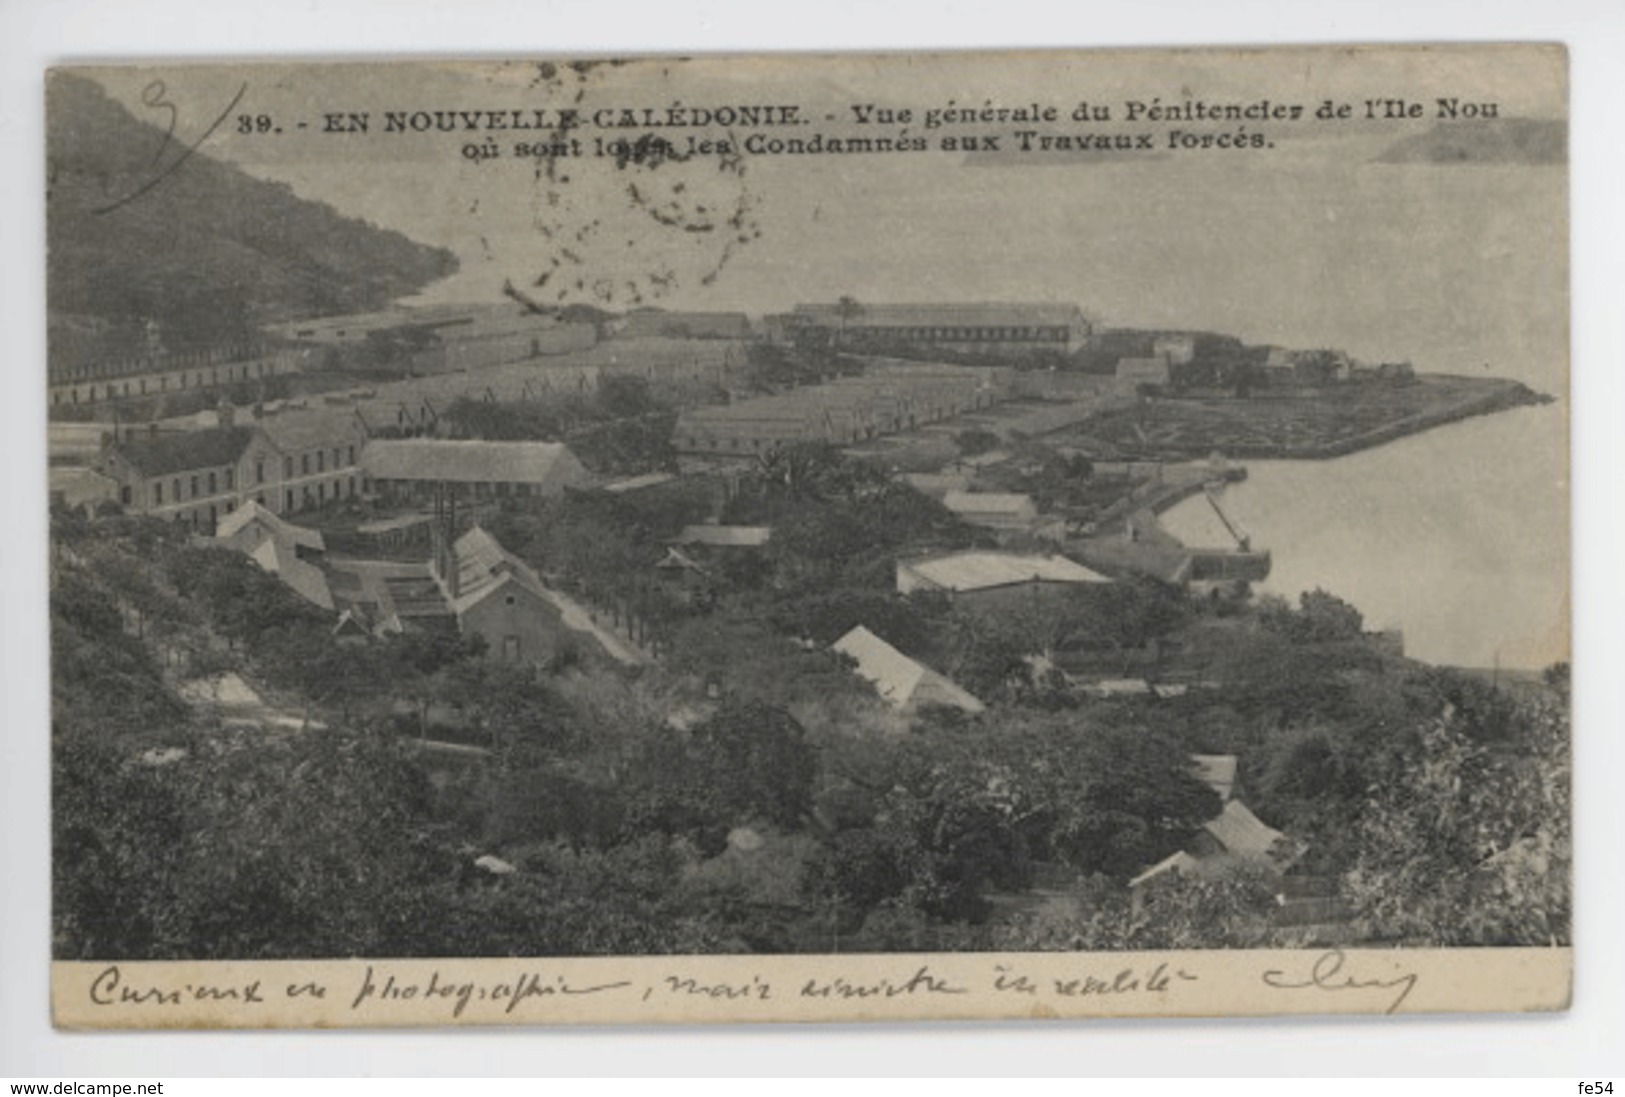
pixel 981 327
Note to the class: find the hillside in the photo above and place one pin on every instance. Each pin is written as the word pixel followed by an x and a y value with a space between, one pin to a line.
pixel 209 252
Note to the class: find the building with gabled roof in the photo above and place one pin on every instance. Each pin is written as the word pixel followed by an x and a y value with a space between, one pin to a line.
pixel 1178 863
pixel 1237 832
pixel 902 682
pixel 497 596
pixel 414 466
pixel 191 476
pixel 279 547
pixel 293 460
pixel 998 581
pixel 998 510
pixel 280 558
pixel 252 523
pixel 1234 837
pixel 163 454
pixel 981 326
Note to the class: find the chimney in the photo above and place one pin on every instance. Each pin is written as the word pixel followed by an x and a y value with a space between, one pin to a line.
pixel 454 573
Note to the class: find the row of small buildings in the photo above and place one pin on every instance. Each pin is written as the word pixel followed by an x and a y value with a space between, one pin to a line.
pixel 113 381
pixel 888 398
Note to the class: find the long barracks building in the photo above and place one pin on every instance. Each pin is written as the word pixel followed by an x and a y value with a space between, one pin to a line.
pixel 134 378
pixel 985 327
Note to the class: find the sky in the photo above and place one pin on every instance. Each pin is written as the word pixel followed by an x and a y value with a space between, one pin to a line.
pixel 1316 241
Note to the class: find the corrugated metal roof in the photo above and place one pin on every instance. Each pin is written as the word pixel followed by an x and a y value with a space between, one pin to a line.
pixel 982 570
pixel 473 462
pixel 1239 831
pixel 483 566
pixel 899 680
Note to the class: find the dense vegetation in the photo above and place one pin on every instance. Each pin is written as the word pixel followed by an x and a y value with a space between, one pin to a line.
pixel 208 252
pixel 751 793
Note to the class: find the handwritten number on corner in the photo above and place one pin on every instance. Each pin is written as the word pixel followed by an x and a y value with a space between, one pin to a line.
pixel 153 95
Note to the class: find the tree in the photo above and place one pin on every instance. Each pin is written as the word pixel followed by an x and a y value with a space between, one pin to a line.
pixel 964 809
pixel 1319 619
pixel 1172 913
pixel 973 442
pixel 1469 844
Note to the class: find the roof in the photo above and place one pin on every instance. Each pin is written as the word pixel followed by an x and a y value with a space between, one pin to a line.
pixel 1175 862
pixel 968 314
pixel 989 502
pixel 163 454
pixel 1218 771
pixel 251 511
pixel 1239 831
pixel 390 525
pixel 898 679
pixel 306 580
pixel 470 462
pixel 354 621
pixel 483 566
pixel 82 485
pixel 932 483
pixel 1119 687
pixel 984 570
pixel 301 429
pixel 677 560
pixel 728 536
pixel 637 483
pixel 1142 363
pixel 693 325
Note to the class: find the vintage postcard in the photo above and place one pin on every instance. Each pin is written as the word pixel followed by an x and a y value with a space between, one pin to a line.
pixel 1046 534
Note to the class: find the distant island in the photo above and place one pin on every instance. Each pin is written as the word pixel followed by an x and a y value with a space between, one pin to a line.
pixel 1489 141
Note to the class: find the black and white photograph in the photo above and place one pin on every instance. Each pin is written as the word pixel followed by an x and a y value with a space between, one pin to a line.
pixel 812 537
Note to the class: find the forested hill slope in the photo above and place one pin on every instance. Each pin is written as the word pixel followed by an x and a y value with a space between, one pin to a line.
pixel 208 251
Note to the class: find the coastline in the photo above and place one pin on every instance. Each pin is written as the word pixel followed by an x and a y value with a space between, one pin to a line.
pixel 1507 395
pixel 1193 429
